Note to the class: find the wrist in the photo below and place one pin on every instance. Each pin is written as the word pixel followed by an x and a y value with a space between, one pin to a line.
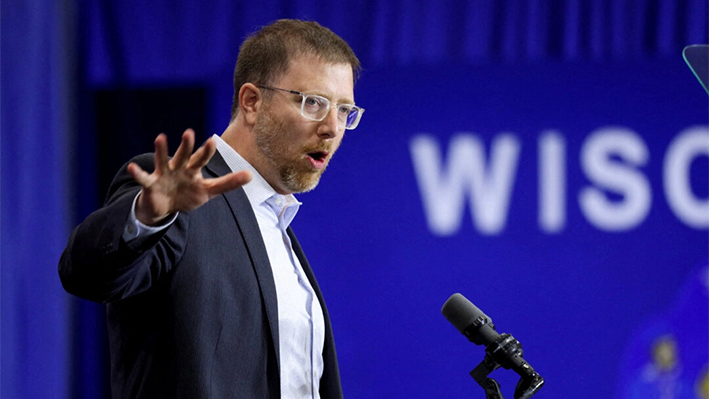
pixel 146 217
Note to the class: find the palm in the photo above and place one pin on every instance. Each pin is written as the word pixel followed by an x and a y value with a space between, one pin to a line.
pixel 177 184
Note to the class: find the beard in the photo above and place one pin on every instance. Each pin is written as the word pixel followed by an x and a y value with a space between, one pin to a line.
pixel 275 142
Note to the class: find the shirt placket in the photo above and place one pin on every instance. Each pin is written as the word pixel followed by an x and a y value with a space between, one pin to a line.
pixel 281 206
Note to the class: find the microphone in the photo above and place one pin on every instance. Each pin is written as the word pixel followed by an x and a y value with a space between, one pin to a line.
pixel 502 350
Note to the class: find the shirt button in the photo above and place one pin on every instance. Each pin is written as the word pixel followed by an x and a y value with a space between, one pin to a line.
pixel 279 201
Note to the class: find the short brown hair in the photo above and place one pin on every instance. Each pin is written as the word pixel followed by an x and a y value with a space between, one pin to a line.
pixel 266 54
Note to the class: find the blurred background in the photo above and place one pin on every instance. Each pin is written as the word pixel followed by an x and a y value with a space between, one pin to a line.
pixel 547 159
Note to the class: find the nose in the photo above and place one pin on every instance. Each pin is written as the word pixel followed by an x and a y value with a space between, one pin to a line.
pixel 329 127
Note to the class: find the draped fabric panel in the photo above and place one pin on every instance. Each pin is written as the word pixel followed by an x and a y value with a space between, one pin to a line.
pixel 167 43
pixel 135 41
pixel 37 126
pixel 426 64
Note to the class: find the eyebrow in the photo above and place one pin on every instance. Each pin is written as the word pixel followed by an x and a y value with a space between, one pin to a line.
pixel 347 100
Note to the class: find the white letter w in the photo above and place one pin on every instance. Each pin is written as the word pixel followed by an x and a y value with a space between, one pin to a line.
pixel 443 189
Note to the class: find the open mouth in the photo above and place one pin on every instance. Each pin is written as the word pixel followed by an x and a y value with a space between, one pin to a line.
pixel 317 159
pixel 318 156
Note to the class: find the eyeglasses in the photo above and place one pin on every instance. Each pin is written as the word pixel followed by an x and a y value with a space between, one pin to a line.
pixel 316 108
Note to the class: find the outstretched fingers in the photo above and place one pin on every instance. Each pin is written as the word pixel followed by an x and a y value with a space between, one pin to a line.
pixel 201 157
pixel 184 151
pixel 228 182
pixel 139 175
pixel 161 156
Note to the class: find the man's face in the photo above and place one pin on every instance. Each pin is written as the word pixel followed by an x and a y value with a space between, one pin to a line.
pixel 296 150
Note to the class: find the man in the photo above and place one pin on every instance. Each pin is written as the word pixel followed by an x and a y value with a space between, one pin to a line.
pixel 208 292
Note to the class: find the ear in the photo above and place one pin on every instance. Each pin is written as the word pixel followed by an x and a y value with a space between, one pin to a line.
pixel 250 101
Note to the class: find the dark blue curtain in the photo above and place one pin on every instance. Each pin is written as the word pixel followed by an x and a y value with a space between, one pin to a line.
pixel 188 42
pixel 38 130
pixel 64 61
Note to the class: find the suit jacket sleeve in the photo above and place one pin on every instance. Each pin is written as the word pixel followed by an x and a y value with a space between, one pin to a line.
pixel 99 266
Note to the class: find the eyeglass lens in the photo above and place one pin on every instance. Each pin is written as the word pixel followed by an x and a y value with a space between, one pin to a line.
pixel 316 108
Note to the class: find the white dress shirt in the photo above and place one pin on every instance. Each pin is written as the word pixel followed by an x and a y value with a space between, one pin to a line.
pixel 301 324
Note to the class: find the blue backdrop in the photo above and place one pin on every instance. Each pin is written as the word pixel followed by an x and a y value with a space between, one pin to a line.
pixel 547 159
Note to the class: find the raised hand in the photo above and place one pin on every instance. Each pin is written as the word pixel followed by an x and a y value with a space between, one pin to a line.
pixel 177 184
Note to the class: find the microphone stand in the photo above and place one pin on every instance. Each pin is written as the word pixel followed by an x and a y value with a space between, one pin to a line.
pixel 500 354
pixel 480 375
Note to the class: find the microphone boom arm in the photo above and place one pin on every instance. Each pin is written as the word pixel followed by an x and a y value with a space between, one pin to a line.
pixel 506 352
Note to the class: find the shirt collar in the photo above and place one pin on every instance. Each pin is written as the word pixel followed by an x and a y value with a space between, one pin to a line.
pixel 257 190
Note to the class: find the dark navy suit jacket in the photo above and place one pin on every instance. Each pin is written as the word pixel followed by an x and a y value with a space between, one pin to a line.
pixel 193 312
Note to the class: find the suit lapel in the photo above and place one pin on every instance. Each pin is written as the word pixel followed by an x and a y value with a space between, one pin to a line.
pixel 247 224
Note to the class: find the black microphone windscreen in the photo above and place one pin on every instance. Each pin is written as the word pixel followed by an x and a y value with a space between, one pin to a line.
pixel 460 311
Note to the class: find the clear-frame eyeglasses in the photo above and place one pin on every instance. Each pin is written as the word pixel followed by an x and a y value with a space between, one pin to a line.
pixel 316 108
